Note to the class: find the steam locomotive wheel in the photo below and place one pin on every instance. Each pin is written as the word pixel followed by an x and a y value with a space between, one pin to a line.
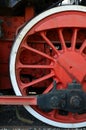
pixel 52 46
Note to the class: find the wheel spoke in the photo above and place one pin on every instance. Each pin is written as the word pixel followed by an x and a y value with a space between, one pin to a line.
pixel 37 52
pixel 21 66
pixel 83 46
pixel 49 43
pixel 26 85
pixel 62 39
pixel 70 116
pixel 73 40
pixel 73 116
pixel 48 88
pixel 53 113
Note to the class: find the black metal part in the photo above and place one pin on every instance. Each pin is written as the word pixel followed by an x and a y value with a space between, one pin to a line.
pixel 73 99
pixel 83 2
pixel 12 7
pixel 9 3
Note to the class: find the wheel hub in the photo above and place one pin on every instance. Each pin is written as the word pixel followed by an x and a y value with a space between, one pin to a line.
pixel 70 61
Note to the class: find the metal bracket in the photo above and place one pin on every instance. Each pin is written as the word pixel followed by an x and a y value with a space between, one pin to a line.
pixel 72 99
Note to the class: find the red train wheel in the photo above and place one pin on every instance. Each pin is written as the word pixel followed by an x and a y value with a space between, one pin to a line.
pixel 50 47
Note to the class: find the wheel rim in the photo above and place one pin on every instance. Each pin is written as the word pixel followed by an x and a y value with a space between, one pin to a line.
pixel 60 40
